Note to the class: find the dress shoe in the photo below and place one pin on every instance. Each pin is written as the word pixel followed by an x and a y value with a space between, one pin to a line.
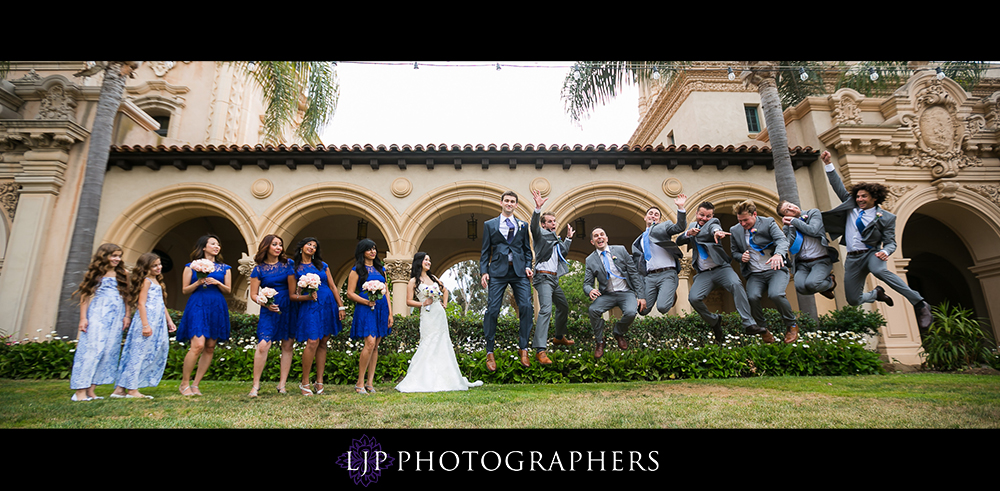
pixel 755 329
pixel 923 311
pixel 543 358
pixel 829 293
pixel 717 330
pixel 599 351
pixel 563 341
pixel 622 342
pixel 523 355
pixel 792 335
pixel 491 364
pixel 882 297
pixel 767 337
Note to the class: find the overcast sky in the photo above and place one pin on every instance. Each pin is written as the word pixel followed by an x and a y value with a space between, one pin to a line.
pixel 468 103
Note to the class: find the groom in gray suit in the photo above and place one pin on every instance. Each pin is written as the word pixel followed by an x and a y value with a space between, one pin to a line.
pixel 550 265
pixel 619 284
pixel 870 237
pixel 506 260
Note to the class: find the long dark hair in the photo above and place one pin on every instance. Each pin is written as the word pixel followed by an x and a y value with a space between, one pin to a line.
pixel 359 261
pixel 199 248
pixel 418 267
pixel 143 266
pixel 100 264
pixel 316 259
pixel 265 243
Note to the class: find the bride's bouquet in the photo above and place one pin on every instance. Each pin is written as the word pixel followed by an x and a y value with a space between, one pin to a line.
pixel 203 268
pixel 309 283
pixel 375 289
pixel 430 291
pixel 265 296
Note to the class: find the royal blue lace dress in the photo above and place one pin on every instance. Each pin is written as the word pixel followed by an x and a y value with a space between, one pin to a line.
pixel 97 350
pixel 206 313
pixel 314 320
pixel 274 326
pixel 368 321
pixel 145 357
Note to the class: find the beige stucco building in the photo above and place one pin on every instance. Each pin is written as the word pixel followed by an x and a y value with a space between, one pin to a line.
pixel 206 173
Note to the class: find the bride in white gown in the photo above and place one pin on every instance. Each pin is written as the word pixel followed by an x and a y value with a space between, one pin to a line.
pixel 433 367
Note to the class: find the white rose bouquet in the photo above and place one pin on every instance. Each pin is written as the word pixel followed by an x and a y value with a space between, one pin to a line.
pixel 265 296
pixel 375 289
pixel 309 283
pixel 203 268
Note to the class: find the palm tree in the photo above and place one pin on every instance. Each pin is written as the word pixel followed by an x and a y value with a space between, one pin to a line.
pixel 286 86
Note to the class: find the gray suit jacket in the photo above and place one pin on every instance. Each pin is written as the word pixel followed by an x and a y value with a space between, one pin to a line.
pixel 493 259
pixel 768 236
pixel 660 234
pixel 545 240
pixel 623 261
pixel 705 238
pixel 811 225
pixel 879 234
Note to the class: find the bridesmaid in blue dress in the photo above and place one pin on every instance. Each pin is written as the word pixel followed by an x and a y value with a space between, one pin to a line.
pixel 206 315
pixel 372 318
pixel 319 315
pixel 102 319
pixel 144 356
pixel 277 320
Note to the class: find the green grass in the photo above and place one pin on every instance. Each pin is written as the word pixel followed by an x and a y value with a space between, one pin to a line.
pixel 877 401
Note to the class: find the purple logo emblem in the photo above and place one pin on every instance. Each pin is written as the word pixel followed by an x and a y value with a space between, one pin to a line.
pixel 365 460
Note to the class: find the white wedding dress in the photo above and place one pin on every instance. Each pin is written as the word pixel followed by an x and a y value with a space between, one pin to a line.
pixel 434 367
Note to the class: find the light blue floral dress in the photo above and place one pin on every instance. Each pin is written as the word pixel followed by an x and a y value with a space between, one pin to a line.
pixel 145 357
pixel 97 349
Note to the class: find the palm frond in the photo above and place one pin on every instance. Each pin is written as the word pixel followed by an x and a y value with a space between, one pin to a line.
pixel 593 83
pixel 792 89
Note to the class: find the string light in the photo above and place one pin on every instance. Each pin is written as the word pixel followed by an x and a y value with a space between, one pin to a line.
pixel 415 67
pixel 732 76
pixel 940 73
pixel 802 74
pixel 576 72
pixel 872 74
pixel 656 73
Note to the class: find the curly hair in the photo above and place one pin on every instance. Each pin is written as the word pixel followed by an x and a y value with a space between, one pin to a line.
pixel 143 266
pixel 265 244
pixel 877 191
pixel 100 264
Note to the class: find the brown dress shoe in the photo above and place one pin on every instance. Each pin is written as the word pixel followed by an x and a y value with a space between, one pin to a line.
pixel 767 337
pixel 792 335
pixel 563 341
pixel 491 364
pixel 882 297
pixel 622 342
pixel 523 354
pixel 543 358
pixel 599 350
pixel 829 293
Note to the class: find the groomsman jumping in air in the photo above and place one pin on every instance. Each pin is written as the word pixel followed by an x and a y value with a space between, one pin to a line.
pixel 870 237
pixel 618 284
pixel 550 265
pixel 811 255
pixel 658 258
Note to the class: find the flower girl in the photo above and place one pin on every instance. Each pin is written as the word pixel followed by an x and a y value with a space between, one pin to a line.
pixel 145 354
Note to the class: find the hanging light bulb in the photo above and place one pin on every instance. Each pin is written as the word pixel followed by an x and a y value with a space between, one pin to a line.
pixel 732 76
pixel 576 72
pixel 498 67
pixel 872 74
pixel 415 67
pixel 802 74
pixel 940 73
pixel 656 73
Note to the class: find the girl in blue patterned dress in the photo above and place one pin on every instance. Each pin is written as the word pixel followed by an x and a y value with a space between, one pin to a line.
pixel 277 320
pixel 144 356
pixel 206 315
pixel 372 318
pixel 102 319
pixel 319 315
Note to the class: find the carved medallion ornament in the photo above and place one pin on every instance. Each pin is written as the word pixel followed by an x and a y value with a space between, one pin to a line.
pixel 8 198
pixel 57 104
pixel 397 270
pixel 940 134
pixel 160 68
pixel 894 193
pixel 846 110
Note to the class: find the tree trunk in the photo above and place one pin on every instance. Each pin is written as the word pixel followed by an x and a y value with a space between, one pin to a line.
pixel 82 242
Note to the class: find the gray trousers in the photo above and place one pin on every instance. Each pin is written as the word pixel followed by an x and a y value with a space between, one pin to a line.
pixel 856 269
pixel 624 300
pixel 549 295
pixel 813 277
pixel 706 281
pixel 774 282
pixel 660 289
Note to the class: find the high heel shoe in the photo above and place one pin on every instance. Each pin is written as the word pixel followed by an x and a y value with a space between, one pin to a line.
pixel 360 390
pixel 305 390
pixel 318 388
pixel 370 389
pixel 194 388
pixel 184 390
pixel 281 390
pixel 253 391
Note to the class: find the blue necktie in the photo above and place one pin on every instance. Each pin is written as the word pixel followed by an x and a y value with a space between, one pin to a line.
pixel 754 244
pixel 797 244
pixel 647 251
pixel 607 265
pixel 510 231
pixel 861 227
pixel 702 253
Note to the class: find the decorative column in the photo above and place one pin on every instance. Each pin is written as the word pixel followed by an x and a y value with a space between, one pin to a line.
pixel 988 273
pixel 683 287
pixel 397 271
pixel 900 338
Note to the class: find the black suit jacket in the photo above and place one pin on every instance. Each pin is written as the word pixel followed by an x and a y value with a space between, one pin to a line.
pixel 705 237
pixel 493 260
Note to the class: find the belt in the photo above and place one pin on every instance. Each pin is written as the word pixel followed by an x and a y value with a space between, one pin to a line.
pixel 855 253
pixel 803 261
pixel 553 273
pixel 713 267
pixel 658 270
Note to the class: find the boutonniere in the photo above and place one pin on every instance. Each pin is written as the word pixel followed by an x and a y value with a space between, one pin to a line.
pixel 805 216
pixel 753 230
pixel 878 214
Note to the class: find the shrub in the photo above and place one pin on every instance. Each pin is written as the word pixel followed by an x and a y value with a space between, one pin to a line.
pixel 956 340
pixel 852 319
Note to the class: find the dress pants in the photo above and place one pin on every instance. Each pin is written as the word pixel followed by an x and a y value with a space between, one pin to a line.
pixel 774 283
pixel 549 296
pixel 814 276
pixel 522 295
pixel 856 269
pixel 660 289
pixel 624 300
pixel 706 281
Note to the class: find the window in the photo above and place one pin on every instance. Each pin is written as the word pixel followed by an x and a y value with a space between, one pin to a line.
pixel 164 124
pixel 753 121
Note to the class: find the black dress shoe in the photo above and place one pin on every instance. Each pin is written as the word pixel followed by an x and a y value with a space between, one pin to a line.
pixel 882 297
pixel 717 330
pixel 924 318
pixel 755 329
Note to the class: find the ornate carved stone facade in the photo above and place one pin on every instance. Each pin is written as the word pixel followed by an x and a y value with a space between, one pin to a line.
pixel 940 133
